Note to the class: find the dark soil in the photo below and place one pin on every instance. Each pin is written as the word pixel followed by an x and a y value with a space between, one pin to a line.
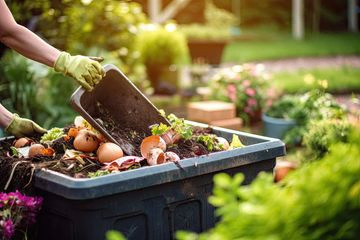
pixel 16 173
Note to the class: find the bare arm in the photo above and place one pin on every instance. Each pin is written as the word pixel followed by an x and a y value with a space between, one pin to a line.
pixel 23 40
pixel 5 117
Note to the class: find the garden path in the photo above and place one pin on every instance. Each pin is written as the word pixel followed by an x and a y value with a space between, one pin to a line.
pixel 294 64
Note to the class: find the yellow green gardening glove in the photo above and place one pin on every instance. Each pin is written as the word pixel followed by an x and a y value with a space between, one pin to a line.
pixel 21 127
pixel 87 71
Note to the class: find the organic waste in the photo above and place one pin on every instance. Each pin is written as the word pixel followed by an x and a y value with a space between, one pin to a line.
pixel 80 151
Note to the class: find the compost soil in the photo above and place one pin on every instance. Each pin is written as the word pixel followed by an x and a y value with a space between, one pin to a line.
pixel 16 173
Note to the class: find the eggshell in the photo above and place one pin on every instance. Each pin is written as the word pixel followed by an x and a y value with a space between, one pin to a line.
pixel 155 156
pixel 171 157
pixel 22 142
pixel 223 142
pixel 108 152
pixel 151 142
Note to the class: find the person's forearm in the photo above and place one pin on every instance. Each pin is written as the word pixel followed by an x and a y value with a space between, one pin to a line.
pixel 30 45
pixel 5 117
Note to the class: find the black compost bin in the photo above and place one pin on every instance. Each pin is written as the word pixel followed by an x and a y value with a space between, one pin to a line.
pixel 150 202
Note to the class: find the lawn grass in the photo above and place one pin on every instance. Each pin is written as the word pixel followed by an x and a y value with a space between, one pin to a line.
pixel 345 79
pixel 272 46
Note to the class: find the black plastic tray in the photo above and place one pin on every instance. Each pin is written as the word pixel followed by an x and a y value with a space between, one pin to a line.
pixel 125 103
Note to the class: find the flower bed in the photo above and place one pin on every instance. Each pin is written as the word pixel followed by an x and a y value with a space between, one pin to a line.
pixel 245 85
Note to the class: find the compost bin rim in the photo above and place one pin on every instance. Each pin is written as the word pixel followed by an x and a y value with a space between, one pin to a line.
pixel 90 188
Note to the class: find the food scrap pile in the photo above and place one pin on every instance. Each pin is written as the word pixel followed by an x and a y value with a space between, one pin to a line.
pixel 80 151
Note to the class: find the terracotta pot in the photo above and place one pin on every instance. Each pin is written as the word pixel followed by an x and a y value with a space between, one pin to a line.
pixel 282 169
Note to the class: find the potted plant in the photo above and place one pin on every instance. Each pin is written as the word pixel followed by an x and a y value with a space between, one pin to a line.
pixel 289 116
pixel 161 49
pixel 280 117
pixel 207 41
pixel 245 85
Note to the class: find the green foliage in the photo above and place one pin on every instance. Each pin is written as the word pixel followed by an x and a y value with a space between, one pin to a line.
pixel 196 31
pixel 321 200
pixel 340 80
pixel 23 10
pixel 209 141
pixel 276 45
pixel 219 18
pixel 52 134
pixel 179 125
pixel 18 87
pixel 159 129
pixel 314 105
pixel 285 108
pixel 35 91
pixel 97 28
pixel 322 134
pixel 114 235
pixel 98 173
pixel 218 23
pixel 160 47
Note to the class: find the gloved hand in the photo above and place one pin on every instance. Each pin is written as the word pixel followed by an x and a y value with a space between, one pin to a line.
pixel 20 127
pixel 87 71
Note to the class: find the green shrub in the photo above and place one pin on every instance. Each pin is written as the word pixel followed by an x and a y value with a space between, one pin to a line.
pixel 321 134
pixel 200 32
pixel 160 47
pixel 314 105
pixel 35 91
pixel 321 200
pixel 18 87
pixel 217 27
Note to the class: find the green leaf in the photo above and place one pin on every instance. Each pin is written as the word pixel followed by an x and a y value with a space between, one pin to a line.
pixel 52 135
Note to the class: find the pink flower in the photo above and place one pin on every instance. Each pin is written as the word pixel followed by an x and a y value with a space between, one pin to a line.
pixel 250 91
pixel 246 83
pixel 231 89
pixel 247 110
pixel 251 102
pixel 8 229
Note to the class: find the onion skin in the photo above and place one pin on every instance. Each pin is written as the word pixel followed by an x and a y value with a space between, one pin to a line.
pixel 170 137
pixel 108 152
pixel 86 141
